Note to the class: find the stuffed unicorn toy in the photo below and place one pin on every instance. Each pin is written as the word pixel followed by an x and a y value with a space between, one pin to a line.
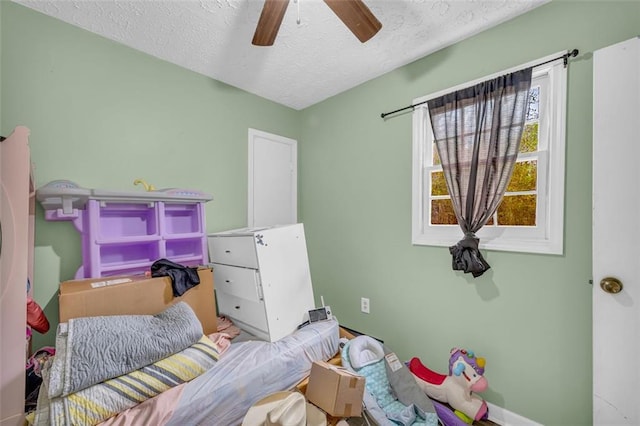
pixel 465 377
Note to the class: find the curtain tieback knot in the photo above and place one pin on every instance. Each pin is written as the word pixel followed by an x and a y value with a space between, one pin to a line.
pixel 465 256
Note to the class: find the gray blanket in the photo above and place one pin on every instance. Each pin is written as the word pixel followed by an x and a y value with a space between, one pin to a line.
pixel 94 349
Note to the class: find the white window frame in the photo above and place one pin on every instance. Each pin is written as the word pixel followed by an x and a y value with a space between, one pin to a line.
pixel 548 234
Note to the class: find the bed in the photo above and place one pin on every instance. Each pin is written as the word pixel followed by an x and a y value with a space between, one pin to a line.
pixel 228 385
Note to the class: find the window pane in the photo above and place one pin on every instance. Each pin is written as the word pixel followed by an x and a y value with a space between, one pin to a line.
pixel 529 141
pixel 517 210
pixel 438 184
pixel 442 212
pixel 524 177
pixel 436 156
pixel 533 113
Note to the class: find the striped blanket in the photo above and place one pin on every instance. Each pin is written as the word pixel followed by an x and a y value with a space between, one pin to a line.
pixel 99 402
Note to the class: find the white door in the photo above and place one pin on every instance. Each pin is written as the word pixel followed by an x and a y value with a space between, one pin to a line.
pixel 273 175
pixel 616 233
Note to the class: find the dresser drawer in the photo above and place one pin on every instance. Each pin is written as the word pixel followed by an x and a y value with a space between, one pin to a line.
pixel 243 310
pixel 238 251
pixel 237 281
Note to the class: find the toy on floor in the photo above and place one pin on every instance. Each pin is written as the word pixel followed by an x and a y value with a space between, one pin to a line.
pixel 391 394
pixel 456 389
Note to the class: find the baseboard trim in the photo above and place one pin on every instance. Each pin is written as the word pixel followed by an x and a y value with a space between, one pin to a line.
pixel 507 418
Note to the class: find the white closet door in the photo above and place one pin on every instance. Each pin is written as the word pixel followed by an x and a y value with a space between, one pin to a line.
pixel 272 179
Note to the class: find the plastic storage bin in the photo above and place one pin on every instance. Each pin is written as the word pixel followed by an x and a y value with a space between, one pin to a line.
pixel 125 232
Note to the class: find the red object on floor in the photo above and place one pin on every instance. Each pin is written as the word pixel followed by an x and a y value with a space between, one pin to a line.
pixel 429 376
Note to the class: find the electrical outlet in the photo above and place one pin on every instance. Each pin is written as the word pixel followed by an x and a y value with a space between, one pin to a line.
pixel 364 305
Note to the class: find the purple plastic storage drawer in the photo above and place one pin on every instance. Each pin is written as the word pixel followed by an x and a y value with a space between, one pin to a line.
pixel 184 248
pixel 182 218
pixel 116 220
pixel 121 255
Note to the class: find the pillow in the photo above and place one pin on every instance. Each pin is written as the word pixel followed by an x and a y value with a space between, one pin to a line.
pixel 365 350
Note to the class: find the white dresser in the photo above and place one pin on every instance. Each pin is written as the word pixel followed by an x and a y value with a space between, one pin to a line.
pixel 262 277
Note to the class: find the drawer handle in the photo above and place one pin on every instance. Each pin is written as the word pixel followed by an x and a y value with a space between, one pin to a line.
pixel 227 251
pixel 227 281
pixel 237 307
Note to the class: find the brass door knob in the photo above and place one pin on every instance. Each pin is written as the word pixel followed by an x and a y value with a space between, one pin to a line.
pixel 611 285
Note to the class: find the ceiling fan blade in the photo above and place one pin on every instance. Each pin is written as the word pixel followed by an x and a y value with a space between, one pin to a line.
pixel 269 23
pixel 357 17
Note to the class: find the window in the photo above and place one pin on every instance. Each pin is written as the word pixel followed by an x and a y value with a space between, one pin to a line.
pixel 530 217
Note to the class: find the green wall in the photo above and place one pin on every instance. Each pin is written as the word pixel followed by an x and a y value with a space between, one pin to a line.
pixel 530 315
pixel 103 115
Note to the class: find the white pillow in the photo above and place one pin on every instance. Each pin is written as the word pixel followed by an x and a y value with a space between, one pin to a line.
pixel 364 350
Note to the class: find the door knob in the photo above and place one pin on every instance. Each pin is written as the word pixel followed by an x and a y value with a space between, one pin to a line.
pixel 611 285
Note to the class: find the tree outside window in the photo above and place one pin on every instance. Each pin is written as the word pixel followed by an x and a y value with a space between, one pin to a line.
pixel 518 207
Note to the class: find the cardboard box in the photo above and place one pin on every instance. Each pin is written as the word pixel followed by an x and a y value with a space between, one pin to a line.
pixel 136 295
pixel 336 390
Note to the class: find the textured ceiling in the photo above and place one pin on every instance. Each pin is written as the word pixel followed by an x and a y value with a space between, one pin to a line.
pixel 309 62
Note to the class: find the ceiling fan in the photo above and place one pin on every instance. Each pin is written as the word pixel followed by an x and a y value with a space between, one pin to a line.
pixel 354 13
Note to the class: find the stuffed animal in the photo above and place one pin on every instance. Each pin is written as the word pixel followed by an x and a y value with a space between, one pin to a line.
pixel 457 389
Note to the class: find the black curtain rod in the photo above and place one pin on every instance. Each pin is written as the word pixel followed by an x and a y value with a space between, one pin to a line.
pixel 565 57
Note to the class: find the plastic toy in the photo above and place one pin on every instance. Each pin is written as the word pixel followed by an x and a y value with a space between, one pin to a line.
pixel 36 318
pixel 456 389
pixel 147 187
pixel 449 417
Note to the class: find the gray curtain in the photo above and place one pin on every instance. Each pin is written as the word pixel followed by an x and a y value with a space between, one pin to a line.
pixel 477 133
